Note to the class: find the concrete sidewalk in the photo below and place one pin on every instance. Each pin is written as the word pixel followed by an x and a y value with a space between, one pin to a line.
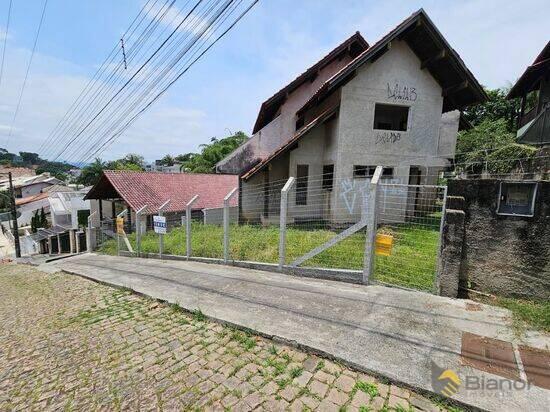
pixel 391 332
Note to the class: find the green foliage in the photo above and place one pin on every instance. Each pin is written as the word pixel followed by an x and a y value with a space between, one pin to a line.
pixel 167 160
pixel 28 159
pixel 496 108
pixel 492 147
pixel 90 174
pixel 211 153
pixel 38 220
pixel 5 200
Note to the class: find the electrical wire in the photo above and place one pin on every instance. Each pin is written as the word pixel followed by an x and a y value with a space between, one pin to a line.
pixel 27 73
pixel 5 41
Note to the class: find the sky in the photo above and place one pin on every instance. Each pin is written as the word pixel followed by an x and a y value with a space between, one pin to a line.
pixel 222 93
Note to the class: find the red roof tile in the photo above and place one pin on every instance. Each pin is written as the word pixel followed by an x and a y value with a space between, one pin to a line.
pixel 138 189
pixel 30 199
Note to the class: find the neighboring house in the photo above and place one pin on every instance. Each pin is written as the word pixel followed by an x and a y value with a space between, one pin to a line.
pixel 396 103
pixel 120 190
pixel 156 166
pixel 26 186
pixel 66 208
pixel 533 87
pixel 27 206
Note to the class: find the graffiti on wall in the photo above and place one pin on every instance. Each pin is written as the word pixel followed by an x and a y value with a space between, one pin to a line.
pixel 398 92
pixel 387 137
pixel 355 195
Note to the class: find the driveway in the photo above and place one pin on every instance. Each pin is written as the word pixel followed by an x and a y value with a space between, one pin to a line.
pixel 407 337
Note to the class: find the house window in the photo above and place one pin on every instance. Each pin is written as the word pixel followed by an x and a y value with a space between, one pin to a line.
pixel 517 198
pixel 302 173
pixel 390 117
pixel 368 172
pixel 300 122
pixel 328 177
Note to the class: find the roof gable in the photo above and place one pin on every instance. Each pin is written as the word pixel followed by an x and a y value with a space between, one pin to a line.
pixel 152 189
pixel 460 87
pixel 528 80
pixel 354 44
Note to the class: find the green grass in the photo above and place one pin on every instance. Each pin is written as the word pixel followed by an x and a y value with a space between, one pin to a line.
pixel 411 264
pixel 528 313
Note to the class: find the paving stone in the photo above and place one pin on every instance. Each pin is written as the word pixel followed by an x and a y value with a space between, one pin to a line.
pixel 289 393
pixel 345 383
pixel 400 392
pixel 64 338
pixel 360 398
pixel 303 379
pixel 337 397
pixel 327 406
pixel 318 388
pixel 394 401
pixel 324 377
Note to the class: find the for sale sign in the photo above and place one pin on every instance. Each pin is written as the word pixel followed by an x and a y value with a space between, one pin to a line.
pixel 159 224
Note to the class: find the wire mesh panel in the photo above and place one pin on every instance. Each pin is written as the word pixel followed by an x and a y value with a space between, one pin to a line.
pixel 408 234
pixel 326 222
pixel 254 235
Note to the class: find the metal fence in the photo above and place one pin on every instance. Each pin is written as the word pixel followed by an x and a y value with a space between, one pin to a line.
pixel 369 227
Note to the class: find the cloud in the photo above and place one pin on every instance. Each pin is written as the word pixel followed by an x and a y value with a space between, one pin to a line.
pixel 172 17
pixel 52 87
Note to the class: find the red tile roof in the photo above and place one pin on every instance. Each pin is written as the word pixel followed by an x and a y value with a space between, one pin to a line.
pixel 138 189
pixel 30 199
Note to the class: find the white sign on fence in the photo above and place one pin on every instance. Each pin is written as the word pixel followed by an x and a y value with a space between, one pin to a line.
pixel 159 224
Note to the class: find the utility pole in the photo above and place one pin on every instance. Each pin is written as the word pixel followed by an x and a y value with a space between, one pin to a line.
pixel 14 217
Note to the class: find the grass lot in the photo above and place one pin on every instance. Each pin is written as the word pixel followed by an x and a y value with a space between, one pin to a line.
pixel 412 262
pixel 533 314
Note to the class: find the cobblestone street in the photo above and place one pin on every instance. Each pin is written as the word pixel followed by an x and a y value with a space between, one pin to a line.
pixel 69 343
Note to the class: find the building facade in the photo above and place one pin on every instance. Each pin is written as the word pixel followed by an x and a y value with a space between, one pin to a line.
pixel 395 104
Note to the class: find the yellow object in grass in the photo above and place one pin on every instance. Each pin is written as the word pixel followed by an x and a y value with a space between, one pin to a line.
pixel 384 244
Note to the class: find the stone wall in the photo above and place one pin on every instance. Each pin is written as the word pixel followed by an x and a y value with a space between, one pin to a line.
pixel 503 255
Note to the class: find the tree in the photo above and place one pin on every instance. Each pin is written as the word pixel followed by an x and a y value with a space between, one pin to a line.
pixel 490 146
pixel 212 153
pixel 30 158
pixel 167 160
pixel 496 108
pixel 90 174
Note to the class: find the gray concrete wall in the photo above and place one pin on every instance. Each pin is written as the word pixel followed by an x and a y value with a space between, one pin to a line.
pixel 504 255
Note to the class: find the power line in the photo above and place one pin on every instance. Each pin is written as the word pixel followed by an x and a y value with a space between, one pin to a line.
pixel 27 72
pixel 51 139
pixel 125 126
pixel 5 41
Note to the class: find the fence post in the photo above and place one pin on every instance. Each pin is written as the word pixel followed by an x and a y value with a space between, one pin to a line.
pixel 188 224
pixel 282 223
pixel 138 230
pixel 226 200
pixel 161 236
pixel 88 234
pixel 370 241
